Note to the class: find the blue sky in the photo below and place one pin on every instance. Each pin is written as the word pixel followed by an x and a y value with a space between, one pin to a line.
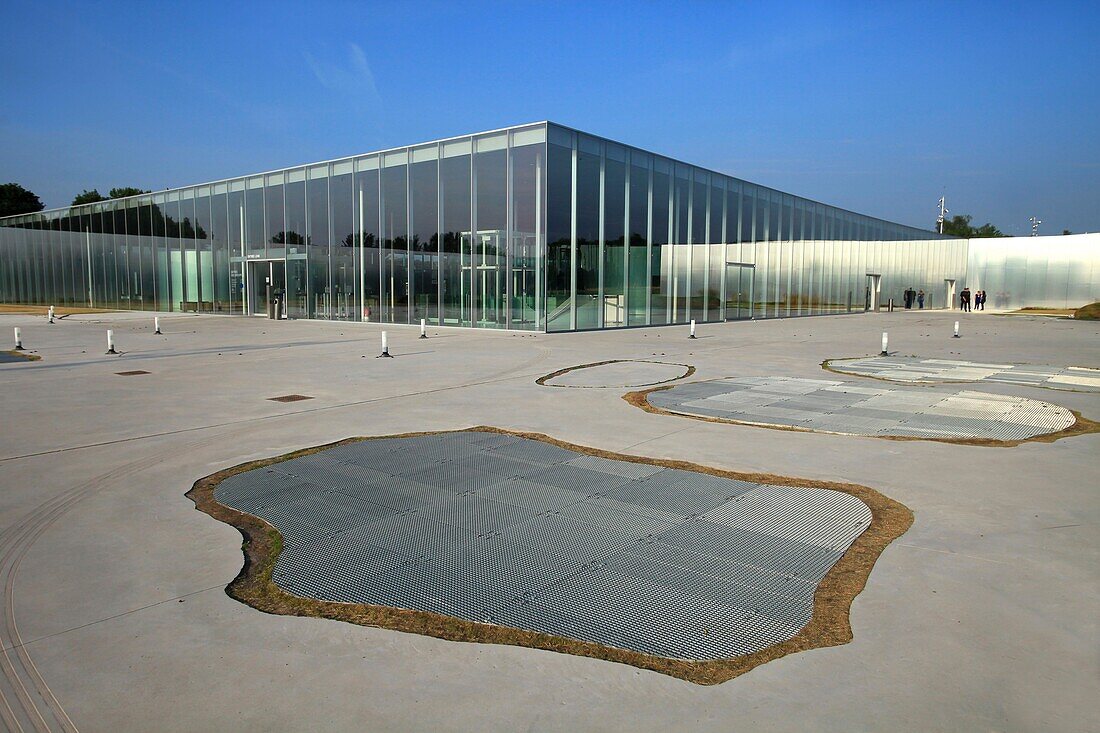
pixel 879 107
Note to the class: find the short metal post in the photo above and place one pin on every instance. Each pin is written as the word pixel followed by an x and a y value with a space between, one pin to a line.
pixel 18 339
pixel 956 329
pixel 385 348
pixel 885 341
pixel 156 325
pixel 51 314
pixel 692 329
pixel 111 342
pixel 423 329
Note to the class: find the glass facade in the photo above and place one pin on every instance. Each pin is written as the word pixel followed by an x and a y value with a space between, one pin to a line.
pixel 537 227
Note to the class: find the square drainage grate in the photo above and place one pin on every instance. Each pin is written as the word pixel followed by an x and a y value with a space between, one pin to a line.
pixel 133 373
pixel 290 398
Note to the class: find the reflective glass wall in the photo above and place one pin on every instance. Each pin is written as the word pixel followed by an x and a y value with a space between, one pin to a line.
pixel 1036 272
pixel 538 227
pixel 450 232
pixel 637 239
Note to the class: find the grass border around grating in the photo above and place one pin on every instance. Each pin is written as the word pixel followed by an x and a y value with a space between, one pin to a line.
pixel 547 377
pixel 1081 425
pixel 25 356
pixel 829 625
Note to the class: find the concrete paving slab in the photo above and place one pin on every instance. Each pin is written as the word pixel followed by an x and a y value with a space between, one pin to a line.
pixel 983 616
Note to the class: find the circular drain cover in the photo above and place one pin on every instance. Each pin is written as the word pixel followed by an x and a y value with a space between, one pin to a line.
pixel 618 374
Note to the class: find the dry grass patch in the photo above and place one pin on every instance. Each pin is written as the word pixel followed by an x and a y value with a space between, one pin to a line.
pixel 546 378
pixel 829 625
pixel 1090 312
pixel 25 356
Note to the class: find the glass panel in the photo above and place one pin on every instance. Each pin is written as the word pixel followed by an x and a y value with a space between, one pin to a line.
pixel 395 244
pixel 345 262
pixel 638 253
pixel 425 242
pixel 219 243
pixel 659 281
pixel 614 261
pixel 237 222
pixel 588 239
pixel 490 283
pixel 254 222
pixel 454 175
pixel 680 265
pixel 367 258
pixel 318 294
pixel 294 239
pixel 559 265
pixel 527 218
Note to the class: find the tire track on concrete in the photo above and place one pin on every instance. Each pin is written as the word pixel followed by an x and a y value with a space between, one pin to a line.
pixel 502 376
pixel 26 700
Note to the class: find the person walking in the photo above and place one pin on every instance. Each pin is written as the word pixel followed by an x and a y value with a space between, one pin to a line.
pixel 920 299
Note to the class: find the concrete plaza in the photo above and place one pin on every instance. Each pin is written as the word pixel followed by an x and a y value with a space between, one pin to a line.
pixel 983 616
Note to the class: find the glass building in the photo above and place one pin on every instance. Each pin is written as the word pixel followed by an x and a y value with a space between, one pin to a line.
pixel 536 227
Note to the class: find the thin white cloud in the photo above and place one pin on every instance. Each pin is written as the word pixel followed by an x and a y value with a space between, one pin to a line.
pixel 351 80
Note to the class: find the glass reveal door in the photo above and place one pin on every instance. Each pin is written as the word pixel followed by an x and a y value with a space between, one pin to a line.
pixel 740 290
pixel 266 281
pixel 295 288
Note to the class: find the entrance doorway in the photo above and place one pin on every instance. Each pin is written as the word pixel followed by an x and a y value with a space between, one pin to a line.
pixel 949 294
pixel 871 294
pixel 740 290
pixel 266 282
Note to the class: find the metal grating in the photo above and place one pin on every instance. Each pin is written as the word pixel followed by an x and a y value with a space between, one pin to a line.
pixel 498 529
pixel 835 407
pixel 290 398
pixel 927 371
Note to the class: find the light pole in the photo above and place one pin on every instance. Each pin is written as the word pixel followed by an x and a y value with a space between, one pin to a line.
pixel 1035 222
pixel 943 212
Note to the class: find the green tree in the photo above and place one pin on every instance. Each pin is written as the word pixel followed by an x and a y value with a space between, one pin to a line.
pixel 121 193
pixel 959 226
pixel 1066 231
pixel 88 197
pixel 14 199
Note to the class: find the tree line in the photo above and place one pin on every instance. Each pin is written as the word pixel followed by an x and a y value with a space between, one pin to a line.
pixel 14 199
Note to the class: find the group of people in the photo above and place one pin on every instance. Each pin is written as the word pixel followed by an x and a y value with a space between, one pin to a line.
pixel 965 298
pixel 914 296
pixel 967 301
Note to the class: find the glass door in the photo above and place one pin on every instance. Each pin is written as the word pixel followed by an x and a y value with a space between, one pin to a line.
pixel 740 290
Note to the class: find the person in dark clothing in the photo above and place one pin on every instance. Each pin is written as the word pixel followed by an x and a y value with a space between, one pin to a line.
pixel 964 300
pixel 981 300
pixel 920 298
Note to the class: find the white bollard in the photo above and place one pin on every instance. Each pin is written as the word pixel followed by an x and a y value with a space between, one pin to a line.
pixel 51 314
pixel 156 325
pixel 956 329
pixel 423 329
pixel 385 348
pixel 692 329
pixel 111 342
pixel 18 339
pixel 885 341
